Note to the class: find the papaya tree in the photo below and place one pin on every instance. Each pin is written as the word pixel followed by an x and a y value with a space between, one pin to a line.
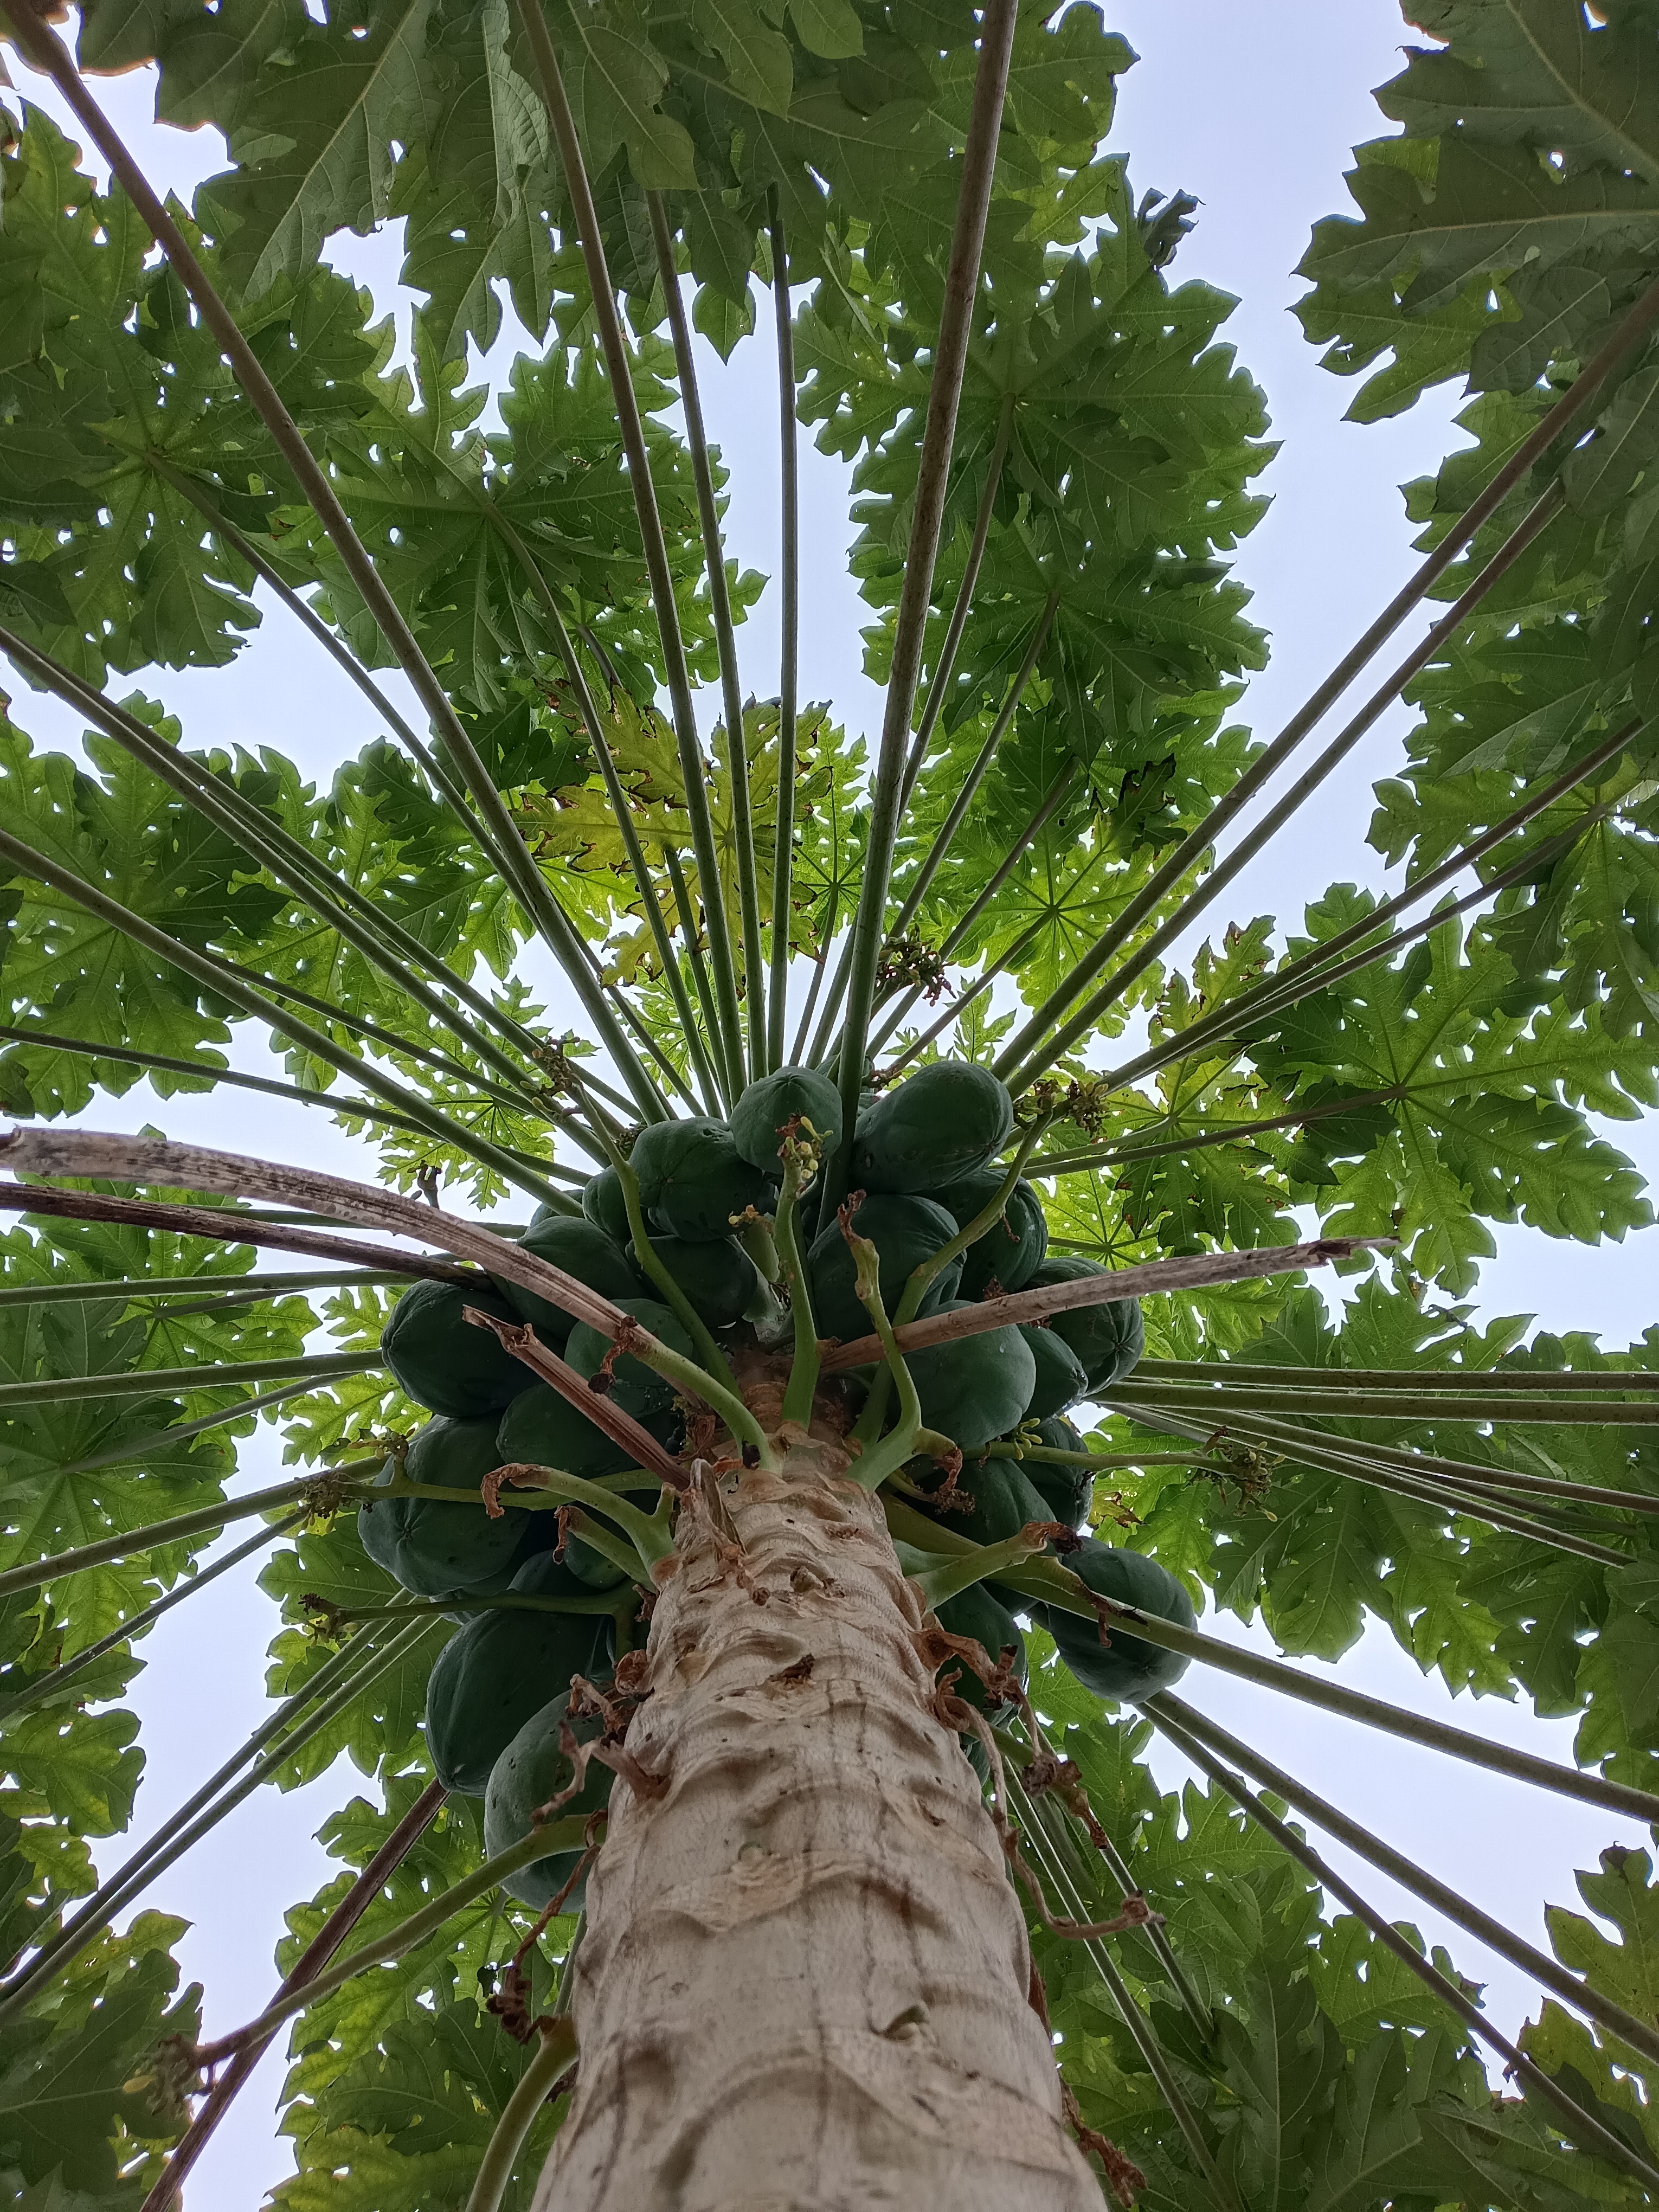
pixel 774 1414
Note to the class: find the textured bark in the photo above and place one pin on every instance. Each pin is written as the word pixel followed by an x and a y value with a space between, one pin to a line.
pixel 804 1986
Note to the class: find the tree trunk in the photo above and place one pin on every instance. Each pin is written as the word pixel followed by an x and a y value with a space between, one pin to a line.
pixel 805 1983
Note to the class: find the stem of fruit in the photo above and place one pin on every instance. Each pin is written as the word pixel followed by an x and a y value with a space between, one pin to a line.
pixel 1140 2028
pixel 719 613
pixel 803 1383
pixel 551 1488
pixel 1049 1583
pixel 1470 1488
pixel 922 1278
pixel 1003 964
pixel 316 1955
pixel 1448 1381
pixel 673 1295
pixel 1004 1449
pixel 963 800
pixel 951 644
pixel 50 1685
pixel 910 624
pixel 878 1460
pixel 227 1227
pixel 130 1056
pixel 427 1608
pixel 618 367
pixel 826 937
pixel 1291 982
pixel 939 1584
pixel 88 1155
pixel 337 651
pixel 730 1081
pixel 1411 1405
pixel 1198 1273
pixel 789 666
pixel 159 1382
pixel 1580 2126
pixel 1079 1849
pixel 566 1835
pixel 285 859
pixel 1313 977
pixel 62 1564
pixel 684 1374
pixel 203 969
pixel 192 1821
pixel 317 488
pixel 556 2048
pixel 1029 1052
pixel 587 706
pixel 1607 2012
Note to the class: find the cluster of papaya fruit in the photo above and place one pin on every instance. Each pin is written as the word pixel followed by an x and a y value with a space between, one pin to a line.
pixel 922 1156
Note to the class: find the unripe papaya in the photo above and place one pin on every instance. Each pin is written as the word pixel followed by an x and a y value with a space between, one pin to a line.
pixel 1066 1490
pixel 905 1231
pixel 1128 1668
pixel 1004 1502
pixel 438 1550
pixel 531 1771
pixel 498 1670
pixel 1109 1339
pixel 772 1101
pixel 1059 1434
pixel 542 1428
pixel 693 1178
pixel 637 1389
pixel 974 1387
pixel 603 1205
pixel 716 1275
pixel 1011 1248
pixel 948 1120
pixel 580 1248
pixel 1060 1380
pixel 444 1361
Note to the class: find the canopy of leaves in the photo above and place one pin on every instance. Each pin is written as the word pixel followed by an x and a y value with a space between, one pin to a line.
pixel 1103 476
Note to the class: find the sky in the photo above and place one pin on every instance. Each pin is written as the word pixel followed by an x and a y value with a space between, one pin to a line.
pixel 1255 110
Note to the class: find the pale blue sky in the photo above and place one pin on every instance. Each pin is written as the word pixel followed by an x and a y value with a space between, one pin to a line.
pixel 1252 109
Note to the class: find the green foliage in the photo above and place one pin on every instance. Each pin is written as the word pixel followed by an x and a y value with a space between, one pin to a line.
pixel 1462 1082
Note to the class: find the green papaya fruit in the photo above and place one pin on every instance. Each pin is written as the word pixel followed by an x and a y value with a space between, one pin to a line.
pixel 501 1668
pixel 949 1119
pixel 770 1102
pixel 1060 1380
pixel 581 1249
pixel 1066 1490
pixel 975 1611
pixel 441 1360
pixel 533 1771
pixel 1059 1434
pixel 1128 1668
pixel 905 1231
pixel 715 1273
pixel 1011 1248
pixel 603 1205
pixel 542 1428
pixel 1003 1502
pixel 1109 1339
pixel 974 1387
pixel 637 1389
pixel 437 1550
pixel 693 1178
